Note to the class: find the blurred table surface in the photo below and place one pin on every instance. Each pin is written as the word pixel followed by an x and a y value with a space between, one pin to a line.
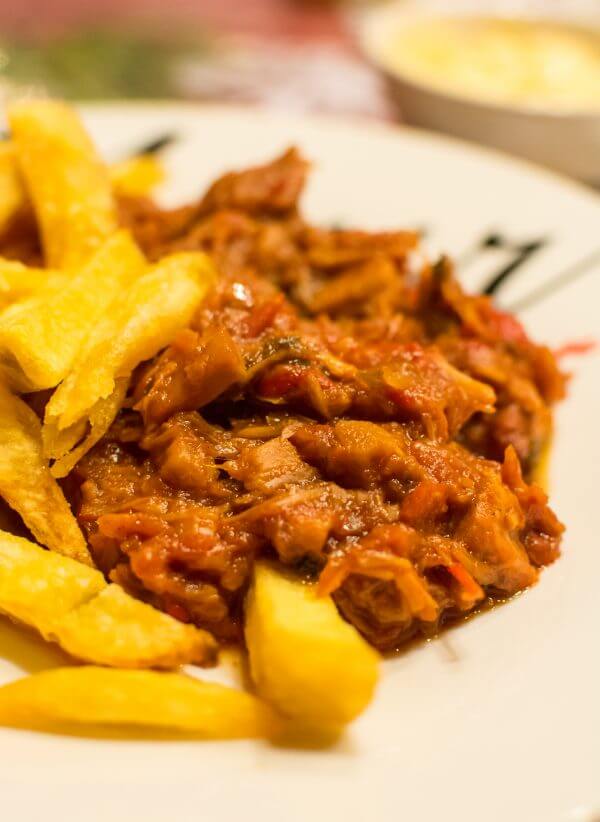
pixel 289 54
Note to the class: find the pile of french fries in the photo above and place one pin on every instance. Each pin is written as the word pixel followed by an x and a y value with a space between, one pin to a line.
pixel 79 326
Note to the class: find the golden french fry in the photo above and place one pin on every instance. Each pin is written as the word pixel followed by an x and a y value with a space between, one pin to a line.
pixel 68 184
pixel 37 586
pixel 40 337
pixel 27 485
pixel 73 605
pixel 134 177
pixel 305 660
pixel 117 630
pixel 13 197
pixel 19 281
pixel 137 176
pixel 142 321
pixel 91 696
pixel 69 446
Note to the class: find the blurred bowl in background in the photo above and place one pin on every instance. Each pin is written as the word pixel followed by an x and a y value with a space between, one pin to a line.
pixel 554 131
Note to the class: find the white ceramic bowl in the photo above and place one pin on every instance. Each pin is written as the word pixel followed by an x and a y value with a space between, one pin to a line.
pixel 567 141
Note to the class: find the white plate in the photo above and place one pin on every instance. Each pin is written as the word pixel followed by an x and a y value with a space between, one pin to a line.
pixel 497 720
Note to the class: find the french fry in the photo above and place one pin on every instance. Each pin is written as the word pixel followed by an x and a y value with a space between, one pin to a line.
pixel 89 696
pixel 27 485
pixel 40 337
pixel 136 176
pixel 72 605
pixel 67 182
pixel 18 281
pixel 305 660
pixel 142 321
pixel 13 196
pixel 70 445
pixel 38 587
pixel 117 630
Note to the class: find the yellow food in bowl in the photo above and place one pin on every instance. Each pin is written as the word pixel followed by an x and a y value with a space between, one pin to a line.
pixel 522 62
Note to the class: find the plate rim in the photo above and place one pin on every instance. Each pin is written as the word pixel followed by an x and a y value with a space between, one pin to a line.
pixel 355 122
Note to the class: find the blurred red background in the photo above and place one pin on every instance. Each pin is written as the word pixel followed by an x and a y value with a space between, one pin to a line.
pixel 291 54
pixel 288 19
